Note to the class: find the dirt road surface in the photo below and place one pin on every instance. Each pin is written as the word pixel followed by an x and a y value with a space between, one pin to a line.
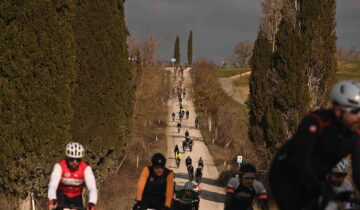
pixel 227 86
pixel 212 196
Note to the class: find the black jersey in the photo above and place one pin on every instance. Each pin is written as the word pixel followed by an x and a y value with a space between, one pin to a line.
pixel 318 145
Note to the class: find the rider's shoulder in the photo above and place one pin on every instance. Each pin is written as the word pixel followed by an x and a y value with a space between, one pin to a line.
pixel 347 185
pixel 233 182
pixel 321 115
pixel 259 186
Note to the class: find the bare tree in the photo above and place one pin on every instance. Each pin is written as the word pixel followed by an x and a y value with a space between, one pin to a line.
pixel 243 51
pixel 144 51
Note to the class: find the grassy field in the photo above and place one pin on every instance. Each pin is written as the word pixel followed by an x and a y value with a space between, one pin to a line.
pixel 231 72
pixel 349 70
pixel 346 70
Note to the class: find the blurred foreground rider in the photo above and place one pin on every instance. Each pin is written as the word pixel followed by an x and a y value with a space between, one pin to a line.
pixel 156 186
pixel 68 179
pixel 322 139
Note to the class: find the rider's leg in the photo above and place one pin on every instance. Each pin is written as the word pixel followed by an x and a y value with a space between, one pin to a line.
pixel 67 201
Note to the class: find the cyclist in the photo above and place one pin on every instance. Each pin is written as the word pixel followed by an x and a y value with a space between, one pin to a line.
pixel 197 121
pixel 337 186
pixel 155 186
pixel 187 114
pixel 243 190
pixel 68 179
pixel 187 134
pixel 190 169
pixel 179 127
pixel 186 198
pixel 180 116
pixel 184 144
pixel 322 139
pixel 198 174
pixel 188 161
pixel 190 143
pixel 176 150
pixel 173 116
pixel 178 159
pixel 201 163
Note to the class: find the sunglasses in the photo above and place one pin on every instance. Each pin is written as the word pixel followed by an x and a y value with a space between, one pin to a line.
pixel 339 175
pixel 249 177
pixel 74 159
pixel 353 111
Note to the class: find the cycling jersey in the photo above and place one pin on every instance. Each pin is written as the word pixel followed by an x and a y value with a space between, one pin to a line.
pixel 178 156
pixel 346 186
pixel 180 194
pixel 188 161
pixel 240 197
pixel 71 183
pixel 155 190
pixel 302 163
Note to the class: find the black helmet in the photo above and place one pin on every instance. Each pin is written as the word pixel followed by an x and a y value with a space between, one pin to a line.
pixel 158 160
pixel 247 168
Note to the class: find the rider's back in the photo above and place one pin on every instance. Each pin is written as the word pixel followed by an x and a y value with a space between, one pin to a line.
pixel 319 137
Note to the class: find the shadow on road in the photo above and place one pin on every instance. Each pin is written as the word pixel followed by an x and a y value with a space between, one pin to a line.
pixel 203 180
pixel 212 196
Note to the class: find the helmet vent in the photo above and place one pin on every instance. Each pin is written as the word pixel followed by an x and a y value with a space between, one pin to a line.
pixel 342 89
pixel 353 102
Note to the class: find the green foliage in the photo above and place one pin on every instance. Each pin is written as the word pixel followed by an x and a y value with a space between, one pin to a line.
pixel 37 68
pixel 190 48
pixel 318 29
pixel 177 50
pixel 103 93
pixel 261 93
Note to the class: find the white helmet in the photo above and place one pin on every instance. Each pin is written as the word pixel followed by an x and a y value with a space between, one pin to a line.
pixel 341 167
pixel 74 150
pixel 346 93
pixel 189 186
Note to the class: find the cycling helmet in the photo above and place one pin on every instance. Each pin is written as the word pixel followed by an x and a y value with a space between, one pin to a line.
pixel 189 186
pixel 342 167
pixel 247 168
pixel 74 150
pixel 346 93
pixel 158 160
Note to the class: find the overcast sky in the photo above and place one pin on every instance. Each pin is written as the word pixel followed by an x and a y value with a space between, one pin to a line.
pixel 217 24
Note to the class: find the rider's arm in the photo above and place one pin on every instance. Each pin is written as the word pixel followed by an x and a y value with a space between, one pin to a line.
pixel 91 185
pixel 141 183
pixel 356 165
pixel 169 189
pixel 306 137
pixel 54 181
pixel 261 194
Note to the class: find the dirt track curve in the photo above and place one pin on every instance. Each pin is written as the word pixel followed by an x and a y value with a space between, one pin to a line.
pixel 212 196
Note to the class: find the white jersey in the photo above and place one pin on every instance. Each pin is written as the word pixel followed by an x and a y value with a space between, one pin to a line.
pixel 345 186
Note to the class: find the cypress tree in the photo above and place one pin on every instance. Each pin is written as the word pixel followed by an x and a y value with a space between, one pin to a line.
pixel 103 92
pixel 37 68
pixel 318 24
pixel 261 93
pixel 177 50
pixel 190 48
pixel 291 96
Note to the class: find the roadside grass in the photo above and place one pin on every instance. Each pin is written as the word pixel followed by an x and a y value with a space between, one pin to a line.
pixel 231 72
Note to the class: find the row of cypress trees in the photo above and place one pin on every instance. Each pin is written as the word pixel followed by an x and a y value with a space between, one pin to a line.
pixel 64 76
pixel 294 78
pixel 177 54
